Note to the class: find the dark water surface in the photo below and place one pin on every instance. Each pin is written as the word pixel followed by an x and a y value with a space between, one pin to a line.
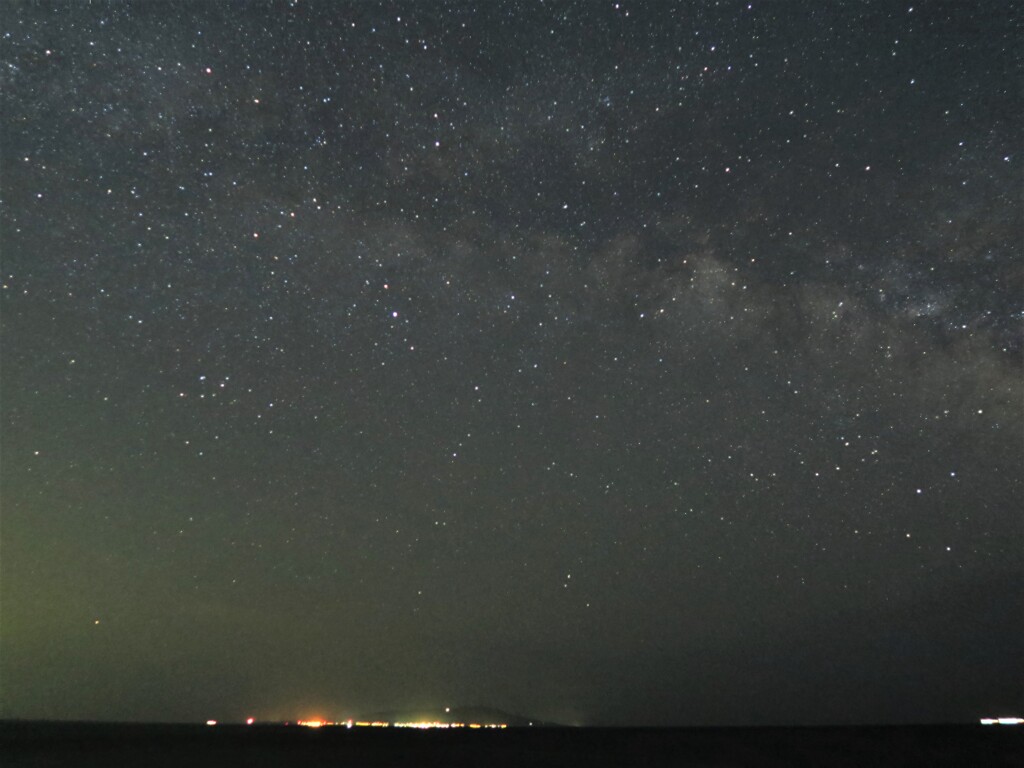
pixel 92 744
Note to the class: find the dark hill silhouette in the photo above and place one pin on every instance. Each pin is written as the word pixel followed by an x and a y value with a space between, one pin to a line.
pixel 469 714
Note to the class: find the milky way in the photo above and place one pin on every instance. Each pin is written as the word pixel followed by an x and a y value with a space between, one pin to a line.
pixel 630 363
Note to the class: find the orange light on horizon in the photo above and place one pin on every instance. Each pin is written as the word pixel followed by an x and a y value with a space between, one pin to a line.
pixel 311 723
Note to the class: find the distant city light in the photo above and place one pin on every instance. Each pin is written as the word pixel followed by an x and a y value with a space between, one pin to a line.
pixel 250 721
pixel 211 722
pixel 1002 720
pixel 435 724
pixel 419 724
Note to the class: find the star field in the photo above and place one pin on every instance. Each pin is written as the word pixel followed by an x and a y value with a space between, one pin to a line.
pixel 633 363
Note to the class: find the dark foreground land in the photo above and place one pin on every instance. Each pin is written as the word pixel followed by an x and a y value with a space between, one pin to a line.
pixel 92 744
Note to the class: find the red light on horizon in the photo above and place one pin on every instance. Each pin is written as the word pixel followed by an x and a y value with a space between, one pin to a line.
pixel 250 721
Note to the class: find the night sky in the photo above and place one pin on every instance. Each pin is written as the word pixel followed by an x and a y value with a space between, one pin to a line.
pixel 607 362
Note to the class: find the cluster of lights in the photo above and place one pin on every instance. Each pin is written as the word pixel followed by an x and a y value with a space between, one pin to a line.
pixel 448 725
pixel 422 725
pixel 1002 721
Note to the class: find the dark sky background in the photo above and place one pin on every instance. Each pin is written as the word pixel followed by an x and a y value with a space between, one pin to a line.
pixel 609 362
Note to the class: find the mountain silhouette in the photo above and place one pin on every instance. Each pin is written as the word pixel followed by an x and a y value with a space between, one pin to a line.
pixel 476 714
